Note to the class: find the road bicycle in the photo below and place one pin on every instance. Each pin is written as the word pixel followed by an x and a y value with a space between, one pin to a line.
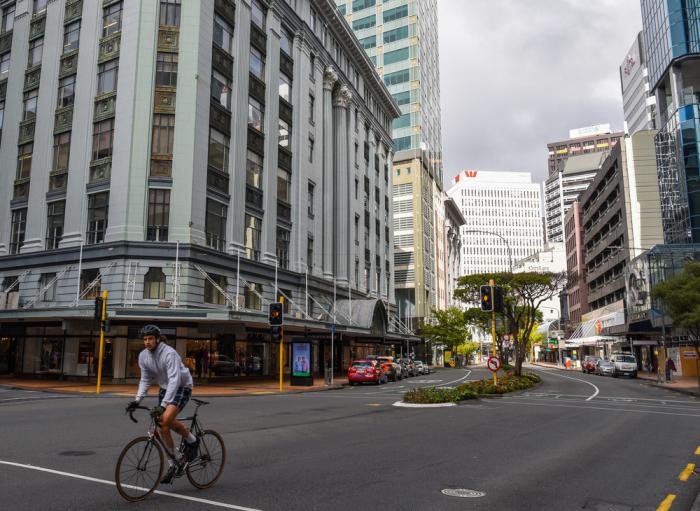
pixel 140 465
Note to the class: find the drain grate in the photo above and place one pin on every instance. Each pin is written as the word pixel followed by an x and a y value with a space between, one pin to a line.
pixel 76 453
pixel 462 492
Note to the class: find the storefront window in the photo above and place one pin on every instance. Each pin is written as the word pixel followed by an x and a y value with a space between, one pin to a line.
pixel 50 356
pixel 133 348
pixel 207 358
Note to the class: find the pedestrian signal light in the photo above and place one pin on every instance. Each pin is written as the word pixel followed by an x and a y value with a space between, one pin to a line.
pixel 276 333
pixel 276 316
pixel 98 308
pixel 486 298
pixel 498 299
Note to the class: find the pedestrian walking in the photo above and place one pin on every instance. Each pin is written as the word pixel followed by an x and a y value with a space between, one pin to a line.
pixel 670 368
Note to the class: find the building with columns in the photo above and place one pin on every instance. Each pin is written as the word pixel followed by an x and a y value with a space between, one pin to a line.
pixel 194 160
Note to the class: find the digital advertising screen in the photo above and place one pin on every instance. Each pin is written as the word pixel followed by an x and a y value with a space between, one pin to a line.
pixel 301 359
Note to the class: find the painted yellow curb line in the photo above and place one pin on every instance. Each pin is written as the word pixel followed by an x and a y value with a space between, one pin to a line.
pixel 687 472
pixel 697 451
pixel 666 503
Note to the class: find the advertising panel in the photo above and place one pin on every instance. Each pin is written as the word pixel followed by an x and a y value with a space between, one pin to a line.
pixel 302 364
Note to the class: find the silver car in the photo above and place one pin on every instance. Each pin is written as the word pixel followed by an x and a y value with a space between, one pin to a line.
pixel 604 368
pixel 420 367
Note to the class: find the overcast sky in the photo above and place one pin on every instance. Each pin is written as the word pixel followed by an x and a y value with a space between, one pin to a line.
pixel 517 74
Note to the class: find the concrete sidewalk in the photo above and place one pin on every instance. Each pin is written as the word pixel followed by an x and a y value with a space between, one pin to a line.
pixel 229 388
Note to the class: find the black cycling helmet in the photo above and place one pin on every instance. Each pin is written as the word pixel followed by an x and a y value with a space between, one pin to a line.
pixel 150 330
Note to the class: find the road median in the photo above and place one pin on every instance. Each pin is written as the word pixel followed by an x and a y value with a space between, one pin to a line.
pixel 471 390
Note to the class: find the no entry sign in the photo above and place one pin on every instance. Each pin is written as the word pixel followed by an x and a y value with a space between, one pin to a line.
pixel 494 364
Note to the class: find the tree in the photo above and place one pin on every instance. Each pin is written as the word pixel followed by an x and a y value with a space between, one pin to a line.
pixel 524 293
pixel 450 328
pixel 477 318
pixel 680 296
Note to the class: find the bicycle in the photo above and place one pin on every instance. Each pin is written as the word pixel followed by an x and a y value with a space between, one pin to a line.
pixel 140 465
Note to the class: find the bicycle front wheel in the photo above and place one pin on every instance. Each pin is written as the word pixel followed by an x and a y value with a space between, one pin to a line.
pixel 139 469
pixel 206 469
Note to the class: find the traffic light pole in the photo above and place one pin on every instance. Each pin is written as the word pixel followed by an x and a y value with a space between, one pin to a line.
pixel 281 350
pixel 103 314
pixel 492 283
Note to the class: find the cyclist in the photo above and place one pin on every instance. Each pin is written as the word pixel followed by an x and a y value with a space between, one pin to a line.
pixel 161 364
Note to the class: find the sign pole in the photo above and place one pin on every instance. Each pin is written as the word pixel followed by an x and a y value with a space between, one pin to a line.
pixel 492 283
pixel 102 340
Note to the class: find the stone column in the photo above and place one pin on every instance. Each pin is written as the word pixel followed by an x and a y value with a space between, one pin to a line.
pixel 341 232
pixel 329 79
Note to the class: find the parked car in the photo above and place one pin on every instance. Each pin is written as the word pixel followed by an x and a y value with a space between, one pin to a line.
pixel 604 368
pixel 225 366
pixel 421 367
pixel 409 366
pixel 395 374
pixel 361 371
pixel 589 363
pixel 625 364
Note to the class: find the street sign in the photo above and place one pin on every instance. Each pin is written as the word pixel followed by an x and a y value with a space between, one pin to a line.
pixel 494 364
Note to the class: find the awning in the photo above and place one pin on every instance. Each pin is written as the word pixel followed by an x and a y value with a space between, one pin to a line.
pixel 593 340
pixel 544 327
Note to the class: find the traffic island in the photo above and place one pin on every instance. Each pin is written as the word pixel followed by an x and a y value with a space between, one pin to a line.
pixel 470 390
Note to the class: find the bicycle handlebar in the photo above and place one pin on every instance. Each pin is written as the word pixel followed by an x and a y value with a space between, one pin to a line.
pixel 131 412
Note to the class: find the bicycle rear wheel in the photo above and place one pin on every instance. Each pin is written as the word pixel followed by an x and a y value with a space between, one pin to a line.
pixel 206 469
pixel 139 469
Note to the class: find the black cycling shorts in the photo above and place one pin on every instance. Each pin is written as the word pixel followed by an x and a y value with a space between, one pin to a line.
pixel 181 398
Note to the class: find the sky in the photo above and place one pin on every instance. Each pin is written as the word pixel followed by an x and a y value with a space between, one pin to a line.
pixel 517 74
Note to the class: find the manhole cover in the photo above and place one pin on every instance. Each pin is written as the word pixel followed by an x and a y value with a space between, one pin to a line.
pixel 76 453
pixel 462 492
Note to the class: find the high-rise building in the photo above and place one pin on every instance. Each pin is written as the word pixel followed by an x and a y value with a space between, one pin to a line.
pixel 450 256
pixel 590 139
pixel 400 37
pixel 638 104
pixel 672 47
pixel 503 219
pixel 577 289
pixel 193 159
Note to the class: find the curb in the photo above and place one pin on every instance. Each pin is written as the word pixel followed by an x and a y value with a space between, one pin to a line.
pixel 672 389
pixel 401 404
pixel 696 504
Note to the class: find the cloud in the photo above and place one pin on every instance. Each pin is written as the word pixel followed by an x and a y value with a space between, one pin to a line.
pixel 517 74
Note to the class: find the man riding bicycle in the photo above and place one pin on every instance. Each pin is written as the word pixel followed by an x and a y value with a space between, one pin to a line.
pixel 161 364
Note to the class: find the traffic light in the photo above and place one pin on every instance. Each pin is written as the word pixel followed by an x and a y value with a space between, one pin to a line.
pixel 498 299
pixel 276 333
pixel 486 298
pixel 98 308
pixel 276 316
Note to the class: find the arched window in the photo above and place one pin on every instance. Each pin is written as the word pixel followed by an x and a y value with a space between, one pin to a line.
pixel 154 284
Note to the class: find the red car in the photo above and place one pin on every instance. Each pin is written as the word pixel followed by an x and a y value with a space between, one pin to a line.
pixel 361 371
pixel 589 363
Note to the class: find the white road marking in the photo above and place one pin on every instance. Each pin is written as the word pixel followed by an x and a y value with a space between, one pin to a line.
pixel 469 371
pixel 556 405
pixel 112 483
pixel 597 390
pixel 29 397
pixel 417 405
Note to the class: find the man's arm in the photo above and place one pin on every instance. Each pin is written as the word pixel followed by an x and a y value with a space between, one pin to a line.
pixel 145 381
pixel 172 364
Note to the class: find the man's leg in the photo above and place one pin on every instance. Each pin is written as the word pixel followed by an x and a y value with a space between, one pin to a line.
pixel 168 422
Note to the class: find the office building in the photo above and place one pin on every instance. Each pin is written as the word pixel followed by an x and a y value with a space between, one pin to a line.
pixel 550 259
pixel 638 104
pixel 192 159
pixel 590 139
pixel 503 219
pixel 577 290
pixel 400 37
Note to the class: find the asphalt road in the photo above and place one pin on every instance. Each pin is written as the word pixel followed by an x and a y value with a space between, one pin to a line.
pixel 574 442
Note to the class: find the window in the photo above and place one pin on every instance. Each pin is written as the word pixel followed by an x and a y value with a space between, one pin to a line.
pixel 36 49
pixel 392 57
pixel 284 186
pixel 314 18
pixel 395 35
pixel 403 98
pixel 310 199
pixel 39 6
pixel 395 13
pixel 312 100
pixel 50 294
pixel 71 36
pixel 403 143
pixel 29 105
pixel 310 253
pixel 87 277
pixel 256 113
pixel 284 133
pixel 258 14
pixel 158 214
pixel 215 225
pixel 223 34
pixel 252 237
pixel 154 284
pixel 24 160
pixel 257 64
pixel 211 293
pixel 166 69
pixel 112 19
pixel 61 151
pixel 363 23
pixel 2 115
pixel 402 122
pixel 286 42
pixel 357 229
pixel 170 13
pixel 283 248
pixel 312 66
pixel 357 185
pixel 342 8
pixel 4 63
pixel 218 150
pixel 285 88
pixel 102 139
pixel 254 170
pixel 221 89
pixel 397 77
pixel 163 134
pixel 252 293
pixel 107 77
pixel 98 208
pixel 55 214
pixel 358 5
pixel 369 42
pixel 17 228
pixel 66 91
pixel 8 18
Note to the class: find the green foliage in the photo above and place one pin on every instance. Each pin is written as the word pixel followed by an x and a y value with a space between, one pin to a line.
pixel 450 328
pixel 680 296
pixel 467 348
pixel 471 390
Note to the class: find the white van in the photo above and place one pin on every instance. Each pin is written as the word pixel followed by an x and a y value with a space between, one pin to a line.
pixel 625 364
